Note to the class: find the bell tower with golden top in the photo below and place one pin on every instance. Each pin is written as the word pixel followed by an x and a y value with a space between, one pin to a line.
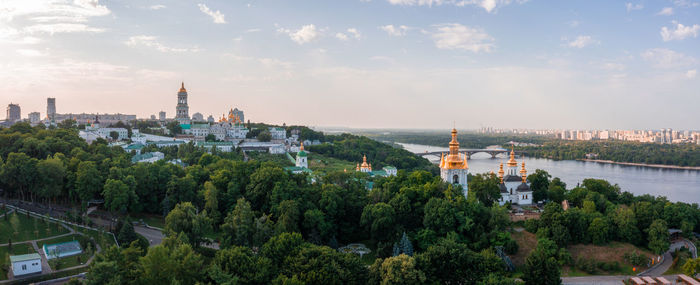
pixel 453 167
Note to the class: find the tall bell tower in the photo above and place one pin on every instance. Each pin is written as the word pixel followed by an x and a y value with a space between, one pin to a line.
pixel 182 111
pixel 453 167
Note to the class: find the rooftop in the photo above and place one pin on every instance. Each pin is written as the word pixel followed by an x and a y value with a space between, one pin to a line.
pixel 24 257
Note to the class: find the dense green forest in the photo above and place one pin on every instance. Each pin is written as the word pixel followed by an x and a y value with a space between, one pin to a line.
pixel 620 151
pixel 275 227
pixel 441 138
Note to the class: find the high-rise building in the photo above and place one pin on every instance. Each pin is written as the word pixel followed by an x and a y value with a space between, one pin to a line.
pixel 34 117
pixel 238 113
pixel 161 115
pixel 182 111
pixel 50 108
pixel 153 117
pixel 14 113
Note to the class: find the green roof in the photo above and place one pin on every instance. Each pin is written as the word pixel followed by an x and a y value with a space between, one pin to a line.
pixel 389 167
pixel 302 153
pixel 199 126
pixel 135 146
pixel 185 126
pixel 297 168
pixel 24 257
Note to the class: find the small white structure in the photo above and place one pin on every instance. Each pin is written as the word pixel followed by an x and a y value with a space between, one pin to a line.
pixel 149 157
pixel 62 249
pixel 301 159
pixel 25 264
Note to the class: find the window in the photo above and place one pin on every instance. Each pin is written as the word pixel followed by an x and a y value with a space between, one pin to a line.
pixel 24 267
pixel 455 179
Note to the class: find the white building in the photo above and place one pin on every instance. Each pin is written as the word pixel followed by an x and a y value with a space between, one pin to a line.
pixel 106 133
pixel 453 167
pixel 149 157
pixel 34 117
pixel 220 146
pixel 278 133
pixel 514 188
pixel 25 264
pixel 301 159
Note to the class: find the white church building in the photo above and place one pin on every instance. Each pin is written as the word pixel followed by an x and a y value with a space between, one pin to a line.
pixel 514 188
pixel 453 167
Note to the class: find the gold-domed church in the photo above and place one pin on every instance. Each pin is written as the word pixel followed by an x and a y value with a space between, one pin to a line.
pixel 514 186
pixel 453 167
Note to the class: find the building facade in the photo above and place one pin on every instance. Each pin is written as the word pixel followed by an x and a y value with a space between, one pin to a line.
pixel 161 115
pixel 34 117
pixel 50 108
pixel 453 167
pixel 301 159
pixel 14 113
pixel 182 111
pixel 513 185
pixel 25 264
pixel 198 117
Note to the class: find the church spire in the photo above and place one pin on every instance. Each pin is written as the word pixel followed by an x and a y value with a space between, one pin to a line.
pixel 501 172
pixel 511 161
pixel 523 173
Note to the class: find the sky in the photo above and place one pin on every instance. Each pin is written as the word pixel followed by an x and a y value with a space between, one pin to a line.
pixel 597 64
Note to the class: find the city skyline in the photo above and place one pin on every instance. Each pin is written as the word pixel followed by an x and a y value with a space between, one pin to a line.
pixel 359 64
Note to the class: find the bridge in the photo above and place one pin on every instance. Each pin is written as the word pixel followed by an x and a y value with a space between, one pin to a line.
pixel 492 151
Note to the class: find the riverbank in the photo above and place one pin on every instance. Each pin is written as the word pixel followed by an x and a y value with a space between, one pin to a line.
pixel 643 164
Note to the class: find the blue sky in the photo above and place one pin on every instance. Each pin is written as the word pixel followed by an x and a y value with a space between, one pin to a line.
pixel 378 63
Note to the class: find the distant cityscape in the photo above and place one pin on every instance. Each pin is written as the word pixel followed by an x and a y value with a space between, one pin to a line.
pixel 667 136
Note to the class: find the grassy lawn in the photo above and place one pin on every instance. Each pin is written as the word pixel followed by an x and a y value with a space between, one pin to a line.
pixel 264 156
pixel 17 249
pixel 28 228
pixel 150 219
pixel 105 240
pixel 318 162
pixel 368 259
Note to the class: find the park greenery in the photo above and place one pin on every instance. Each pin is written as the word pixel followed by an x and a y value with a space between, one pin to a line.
pixel 276 227
pixel 685 154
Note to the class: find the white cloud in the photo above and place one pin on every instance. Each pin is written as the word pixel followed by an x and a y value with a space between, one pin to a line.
pixel 305 34
pixel 254 30
pixel 55 16
pixel 342 37
pixel 613 66
pixel 217 16
pixel 631 6
pixel 680 32
pixel 152 42
pixel 156 7
pixel 395 31
pixel 666 11
pixel 457 36
pixel 666 58
pixel 691 73
pixel 355 33
pixel 685 3
pixel 488 5
pixel 582 41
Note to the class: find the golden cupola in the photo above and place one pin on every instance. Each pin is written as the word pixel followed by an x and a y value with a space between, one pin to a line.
pixel 511 161
pixel 182 87
pixel 454 159
pixel 523 173
pixel 501 172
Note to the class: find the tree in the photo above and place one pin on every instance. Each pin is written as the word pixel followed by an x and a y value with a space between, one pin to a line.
pixel 114 135
pixel 397 270
pixel 239 225
pixel 378 219
pixel 626 225
pixel 118 196
pixel 178 264
pixel 658 236
pixel 239 265
pixel 211 204
pixel 185 219
pixel 323 265
pixel 451 262
pixel 541 266
pixel 599 231
pixel 210 138
pixel 691 267
pixel 88 181
pixel 50 173
pixel 484 187
pixel 288 216
pixel 264 136
pixel 19 172
pixel 174 128
pixel 539 183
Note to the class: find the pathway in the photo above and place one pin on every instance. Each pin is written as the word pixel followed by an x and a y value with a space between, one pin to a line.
pixel 666 264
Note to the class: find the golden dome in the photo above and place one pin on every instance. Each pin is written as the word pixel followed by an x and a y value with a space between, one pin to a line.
pixel 364 162
pixel 301 148
pixel 512 162
pixel 182 87
pixel 523 173
pixel 454 159
pixel 501 172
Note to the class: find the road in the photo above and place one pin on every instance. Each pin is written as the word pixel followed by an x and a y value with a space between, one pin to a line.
pixel 668 259
pixel 154 236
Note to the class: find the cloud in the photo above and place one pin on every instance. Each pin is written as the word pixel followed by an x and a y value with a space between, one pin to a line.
pixel 355 33
pixel 680 32
pixel 666 58
pixel 631 6
pixel 305 34
pixel 582 41
pixel 23 17
pixel 488 5
pixel 254 30
pixel 685 3
pixel 152 42
pixel 666 11
pixel 457 36
pixel 156 7
pixel 395 31
pixel 691 73
pixel 342 37
pixel 613 66
pixel 217 16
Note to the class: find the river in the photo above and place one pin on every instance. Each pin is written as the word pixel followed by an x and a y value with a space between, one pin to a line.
pixel 675 184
